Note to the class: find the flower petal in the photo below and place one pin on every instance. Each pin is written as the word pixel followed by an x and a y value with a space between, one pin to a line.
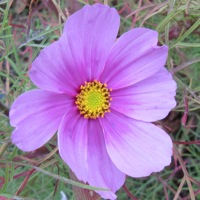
pixel 80 53
pixel 73 143
pixel 149 100
pixel 96 27
pixel 36 115
pixel 56 69
pixel 82 147
pixel 134 57
pixel 137 148
pixel 102 171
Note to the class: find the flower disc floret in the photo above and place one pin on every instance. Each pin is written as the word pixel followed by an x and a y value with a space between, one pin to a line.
pixel 93 101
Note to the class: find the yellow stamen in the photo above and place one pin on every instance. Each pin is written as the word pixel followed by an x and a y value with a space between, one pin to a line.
pixel 93 101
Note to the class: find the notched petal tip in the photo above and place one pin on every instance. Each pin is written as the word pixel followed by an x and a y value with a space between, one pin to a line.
pixel 135 54
pixel 36 115
pixel 142 149
pixel 149 100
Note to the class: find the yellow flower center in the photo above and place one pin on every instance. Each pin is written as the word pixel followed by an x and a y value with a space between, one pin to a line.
pixel 93 101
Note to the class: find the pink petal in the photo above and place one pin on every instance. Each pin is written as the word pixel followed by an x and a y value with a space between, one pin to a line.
pixel 73 143
pixel 134 57
pixel 36 115
pixel 104 173
pixel 80 53
pixel 137 148
pixel 56 69
pixel 95 28
pixel 82 147
pixel 149 100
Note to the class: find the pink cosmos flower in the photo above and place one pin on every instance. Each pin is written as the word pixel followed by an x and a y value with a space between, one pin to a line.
pixel 101 95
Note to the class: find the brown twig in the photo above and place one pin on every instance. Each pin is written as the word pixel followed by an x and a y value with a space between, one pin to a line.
pixel 184 65
pixel 80 193
pixel 129 193
pixel 186 175
pixel 4 109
